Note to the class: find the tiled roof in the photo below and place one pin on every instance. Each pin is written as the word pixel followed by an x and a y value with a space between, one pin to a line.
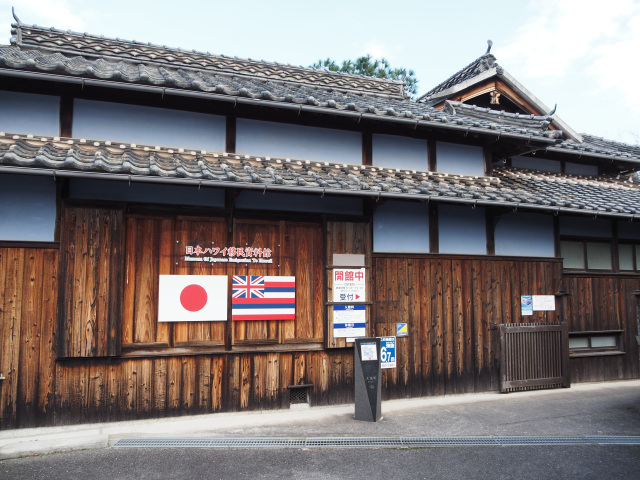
pixel 479 65
pixel 499 116
pixel 600 146
pixel 511 187
pixel 154 57
pixel 87 58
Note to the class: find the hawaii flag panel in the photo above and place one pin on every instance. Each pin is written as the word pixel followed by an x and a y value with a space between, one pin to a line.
pixel 192 298
pixel 263 298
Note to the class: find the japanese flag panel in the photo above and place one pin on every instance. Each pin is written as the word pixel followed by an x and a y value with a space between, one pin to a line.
pixel 263 298
pixel 193 298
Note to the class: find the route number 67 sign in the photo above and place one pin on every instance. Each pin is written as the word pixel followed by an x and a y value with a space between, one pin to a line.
pixel 388 352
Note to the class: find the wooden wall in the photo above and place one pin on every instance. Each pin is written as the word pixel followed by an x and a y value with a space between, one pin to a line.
pixel 91 282
pixel 101 390
pixel 28 299
pixel 155 246
pixel 450 304
pixel 604 303
pixel 346 238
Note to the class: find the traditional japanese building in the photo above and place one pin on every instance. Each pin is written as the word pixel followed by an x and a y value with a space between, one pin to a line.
pixel 186 233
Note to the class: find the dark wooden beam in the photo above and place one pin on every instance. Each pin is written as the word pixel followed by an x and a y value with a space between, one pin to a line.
pixel 367 148
pixel 431 155
pixel 434 235
pixel 230 140
pixel 66 116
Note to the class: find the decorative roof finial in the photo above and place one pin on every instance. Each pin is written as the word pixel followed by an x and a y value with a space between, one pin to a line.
pixel 13 11
pixel 552 111
pixel 489 45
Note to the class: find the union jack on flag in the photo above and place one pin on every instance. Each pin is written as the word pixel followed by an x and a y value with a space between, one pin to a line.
pixel 248 287
pixel 263 298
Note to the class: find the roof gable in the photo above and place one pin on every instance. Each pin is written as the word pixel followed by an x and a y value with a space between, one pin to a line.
pixel 485 78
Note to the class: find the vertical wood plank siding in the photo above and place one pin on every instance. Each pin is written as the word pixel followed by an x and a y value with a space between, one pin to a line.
pixel 603 303
pixel 345 238
pixel 91 287
pixel 28 300
pixel 102 390
pixel 450 303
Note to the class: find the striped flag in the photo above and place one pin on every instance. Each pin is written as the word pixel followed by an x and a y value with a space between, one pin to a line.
pixel 263 298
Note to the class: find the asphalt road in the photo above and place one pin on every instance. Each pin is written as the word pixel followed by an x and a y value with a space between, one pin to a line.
pixel 607 409
pixel 496 463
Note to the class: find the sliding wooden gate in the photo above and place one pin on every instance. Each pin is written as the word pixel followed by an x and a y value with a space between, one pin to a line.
pixel 532 356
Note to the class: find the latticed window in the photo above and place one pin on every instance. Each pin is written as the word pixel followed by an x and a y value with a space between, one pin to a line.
pixel 586 254
pixel 629 257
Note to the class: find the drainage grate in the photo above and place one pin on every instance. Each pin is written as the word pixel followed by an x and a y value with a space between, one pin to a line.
pixel 370 442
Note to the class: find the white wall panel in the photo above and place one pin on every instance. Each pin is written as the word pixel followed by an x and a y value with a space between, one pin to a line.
pixel 27 208
pixel 272 139
pixel 148 125
pixel 525 234
pixel 394 151
pixel 459 159
pixel 401 227
pixel 29 113
pixel 462 229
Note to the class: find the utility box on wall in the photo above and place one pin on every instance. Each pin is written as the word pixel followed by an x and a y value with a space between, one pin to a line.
pixel 367 379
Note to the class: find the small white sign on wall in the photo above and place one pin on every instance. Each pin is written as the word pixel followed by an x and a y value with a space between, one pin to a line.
pixel 543 302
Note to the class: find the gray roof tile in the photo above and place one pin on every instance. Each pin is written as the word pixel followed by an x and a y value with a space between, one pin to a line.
pixel 507 187
pixel 36 49
pixel 151 58
pixel 479 65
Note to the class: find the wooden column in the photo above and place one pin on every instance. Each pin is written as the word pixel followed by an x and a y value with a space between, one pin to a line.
pixel 230 139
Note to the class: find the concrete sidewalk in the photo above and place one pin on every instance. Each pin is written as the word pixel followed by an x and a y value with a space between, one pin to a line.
pixel 611 408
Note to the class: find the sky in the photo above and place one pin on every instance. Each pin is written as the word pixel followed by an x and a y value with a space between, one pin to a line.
pixel 579 54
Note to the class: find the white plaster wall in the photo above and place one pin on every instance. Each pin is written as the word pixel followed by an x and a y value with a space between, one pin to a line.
pixel 271 139
pixel 27 208
pixel 148 125
pixel 393 151
pixel 29 113
pixel 459 159
pixel 462 229
pixel 525 235
pixel 401 227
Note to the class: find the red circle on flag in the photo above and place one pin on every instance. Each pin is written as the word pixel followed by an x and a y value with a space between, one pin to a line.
pixel 193 298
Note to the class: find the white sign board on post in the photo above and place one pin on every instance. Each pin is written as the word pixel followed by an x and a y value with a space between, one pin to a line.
pixel 349 321
pixel 349 285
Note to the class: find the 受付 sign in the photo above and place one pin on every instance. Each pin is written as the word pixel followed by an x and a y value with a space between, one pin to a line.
pixel 349 285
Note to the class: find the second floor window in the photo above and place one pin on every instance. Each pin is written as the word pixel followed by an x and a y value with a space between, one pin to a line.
pixel 586 255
